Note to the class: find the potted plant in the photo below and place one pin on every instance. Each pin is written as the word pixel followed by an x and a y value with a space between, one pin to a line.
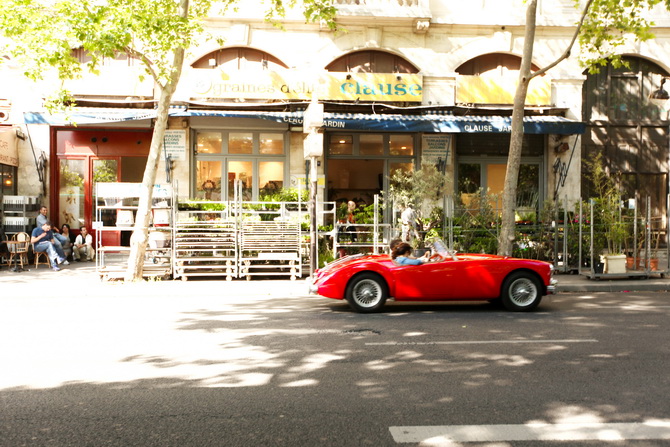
pixel 421 190
pixel 607 214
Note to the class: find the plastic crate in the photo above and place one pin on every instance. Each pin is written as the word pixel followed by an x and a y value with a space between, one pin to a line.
pixel 14 224
pixel 20 203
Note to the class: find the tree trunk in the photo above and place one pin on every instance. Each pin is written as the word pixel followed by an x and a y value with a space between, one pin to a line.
pixel 507 228
pixel 140 236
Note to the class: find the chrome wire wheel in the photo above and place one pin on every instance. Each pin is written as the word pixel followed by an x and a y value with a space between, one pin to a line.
pixel 523 292
pixel 367 293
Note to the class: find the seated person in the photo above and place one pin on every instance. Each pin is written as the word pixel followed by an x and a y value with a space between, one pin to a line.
pixel 83 246
pixel 43 240
pixel 41 218
pixel 68 239
pixel 4 250
pixel 402 254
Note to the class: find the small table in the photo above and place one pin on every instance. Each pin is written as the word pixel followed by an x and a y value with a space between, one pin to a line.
pixel 17 250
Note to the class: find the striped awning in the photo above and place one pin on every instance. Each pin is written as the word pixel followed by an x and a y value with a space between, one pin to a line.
pixel 425 123
pixel 434 123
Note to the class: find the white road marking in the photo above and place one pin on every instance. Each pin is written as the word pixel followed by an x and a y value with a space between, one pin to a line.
pixel 452 435
pixel 478 342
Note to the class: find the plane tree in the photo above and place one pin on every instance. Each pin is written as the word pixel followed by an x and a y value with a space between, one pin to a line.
pixel 40 36
pixel 604 27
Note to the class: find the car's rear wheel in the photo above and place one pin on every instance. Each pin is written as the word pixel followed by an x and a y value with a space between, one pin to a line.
pixel 521 292
pixel 367 292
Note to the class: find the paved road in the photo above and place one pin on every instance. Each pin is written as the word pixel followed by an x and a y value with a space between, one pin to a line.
pixel 176 364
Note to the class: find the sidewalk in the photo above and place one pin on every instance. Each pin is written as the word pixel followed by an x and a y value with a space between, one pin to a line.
pixel 84 277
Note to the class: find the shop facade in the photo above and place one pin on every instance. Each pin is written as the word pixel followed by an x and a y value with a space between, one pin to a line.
pixel 418 85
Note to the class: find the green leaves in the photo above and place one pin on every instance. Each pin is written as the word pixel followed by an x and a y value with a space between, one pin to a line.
pixel 611 24
pixel 40 35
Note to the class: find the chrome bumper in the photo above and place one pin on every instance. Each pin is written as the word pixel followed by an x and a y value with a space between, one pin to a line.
pixel 311 287
pixel 551 288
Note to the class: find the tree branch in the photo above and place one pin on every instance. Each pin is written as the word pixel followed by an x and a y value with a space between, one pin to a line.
pixel 567 51
pixel 147 62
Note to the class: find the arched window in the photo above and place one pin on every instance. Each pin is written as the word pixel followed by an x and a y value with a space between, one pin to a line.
pixel 120 60
pixel 622 94
pixel 371 61
pixel 239 58
pixel 628 128
pixel 499 64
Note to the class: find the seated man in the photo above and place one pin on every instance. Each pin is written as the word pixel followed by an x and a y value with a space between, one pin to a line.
pixel 83 246
pixel 43 240
pixel 41 218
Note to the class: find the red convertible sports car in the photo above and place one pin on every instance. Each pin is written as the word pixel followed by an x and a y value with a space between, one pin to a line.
pixel 367 281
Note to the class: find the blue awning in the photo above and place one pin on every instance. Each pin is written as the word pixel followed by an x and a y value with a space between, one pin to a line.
pixel 88 115
pixel 434 123
pixel 428 123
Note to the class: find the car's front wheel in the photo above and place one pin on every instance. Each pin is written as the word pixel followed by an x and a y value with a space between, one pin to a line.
pixel 367 292
pixel 521 292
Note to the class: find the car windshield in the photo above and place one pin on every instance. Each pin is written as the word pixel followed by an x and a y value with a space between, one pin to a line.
pixel 437 246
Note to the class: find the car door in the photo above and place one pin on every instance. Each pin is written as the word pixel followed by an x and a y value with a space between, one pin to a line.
pixel 424 282
pixel 447 280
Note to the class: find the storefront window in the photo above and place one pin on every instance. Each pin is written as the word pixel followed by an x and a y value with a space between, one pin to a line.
pixel 402 167
pixel 271 144
pixel 527 194
pixel 208 143
pixel 8 177
pixel 242 171
pixel 341 145
pixel 402 145
pixel 270 177
pixel 240 143
pixel 208 180
pixel 489 178
pixel 256 159
pixel 359 165
pixel 371 144
pixel 469 178
pixel 71 192
pixel 104 171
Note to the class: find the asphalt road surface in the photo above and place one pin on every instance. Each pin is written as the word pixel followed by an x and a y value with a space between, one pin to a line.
pixel 182 365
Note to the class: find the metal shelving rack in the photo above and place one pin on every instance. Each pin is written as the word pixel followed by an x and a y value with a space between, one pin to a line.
pixel 112 260
pixel 18 213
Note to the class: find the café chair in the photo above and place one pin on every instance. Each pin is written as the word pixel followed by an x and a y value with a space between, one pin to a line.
pixel 18 248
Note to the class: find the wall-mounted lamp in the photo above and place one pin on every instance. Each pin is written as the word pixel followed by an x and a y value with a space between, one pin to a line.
pixel 348 77
pixel 659 96
pixel 398 78
pixel 19 134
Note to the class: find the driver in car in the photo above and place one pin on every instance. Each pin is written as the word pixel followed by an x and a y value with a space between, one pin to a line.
pixel 402 254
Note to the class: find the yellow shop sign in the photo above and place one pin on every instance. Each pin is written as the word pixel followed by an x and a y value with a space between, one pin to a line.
pixel 203 84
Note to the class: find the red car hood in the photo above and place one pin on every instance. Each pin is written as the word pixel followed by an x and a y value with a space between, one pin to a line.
pixel 347 260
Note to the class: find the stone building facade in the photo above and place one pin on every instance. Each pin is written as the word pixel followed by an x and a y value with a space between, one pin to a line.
pixel 404 82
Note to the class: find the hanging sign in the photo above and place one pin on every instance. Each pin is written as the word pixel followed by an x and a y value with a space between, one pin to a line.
pixel 217 84
pixel 8 150
pixel 436 149
pixel 174 144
